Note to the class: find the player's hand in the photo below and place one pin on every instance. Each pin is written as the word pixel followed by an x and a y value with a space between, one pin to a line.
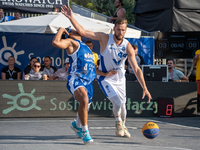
pixel 66 11
pixel 146 92
pixel 112 72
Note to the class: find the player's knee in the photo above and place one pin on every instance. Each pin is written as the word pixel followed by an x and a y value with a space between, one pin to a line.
pixel 116 101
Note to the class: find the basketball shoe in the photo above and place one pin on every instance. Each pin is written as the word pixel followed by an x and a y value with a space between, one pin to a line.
pixel 86 137
pixel 77 130
pixel 119 128
pixel 126 133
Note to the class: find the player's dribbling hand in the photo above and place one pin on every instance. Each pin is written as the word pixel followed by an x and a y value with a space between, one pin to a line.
pixel 66 11
pixel 146 92
pixel 112 72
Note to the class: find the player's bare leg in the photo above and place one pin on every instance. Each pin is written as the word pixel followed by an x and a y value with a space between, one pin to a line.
pixel 81 96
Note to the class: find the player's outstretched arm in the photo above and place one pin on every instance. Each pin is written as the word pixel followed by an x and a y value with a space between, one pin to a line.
pixel 58 42
pixel 137 71
pixel 69 14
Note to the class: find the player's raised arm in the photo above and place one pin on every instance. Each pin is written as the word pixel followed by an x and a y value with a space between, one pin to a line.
pixel 69 14
pixel 58 42
pixel 137 71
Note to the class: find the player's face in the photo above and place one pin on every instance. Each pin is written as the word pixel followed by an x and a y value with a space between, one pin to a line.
pixel 170 64
pixel 47 62
pixel 90 45
pixel 120 30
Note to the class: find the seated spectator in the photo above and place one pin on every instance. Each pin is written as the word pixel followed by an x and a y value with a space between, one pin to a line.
pixel 37 74
pixel 55 9
pixel 139 59
pixel 11 72
pixel 30 68
pixel 47 68
pixel 62 73
pixel 17 15
pixel 174 74
pixel 2 19
pixel 95 55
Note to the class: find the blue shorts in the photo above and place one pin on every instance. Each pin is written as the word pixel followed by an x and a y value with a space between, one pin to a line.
pixel 75 82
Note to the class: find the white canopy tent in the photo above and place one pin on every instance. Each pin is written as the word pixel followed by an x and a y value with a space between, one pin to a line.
pixel 51 22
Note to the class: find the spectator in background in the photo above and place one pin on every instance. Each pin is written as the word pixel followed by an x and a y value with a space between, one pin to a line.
pixel 30 68
pixel 196 62
pixel 120 12
pixel 62 73
pixel 174 74
pixel 95 55
pixel 17 15
pixel 37 74
pixel 140 62
pixel 55 9
pixel 47 68
pixel 2 16
pixel 11 72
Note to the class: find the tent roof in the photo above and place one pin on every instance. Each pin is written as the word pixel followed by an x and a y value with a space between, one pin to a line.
pixel 51 22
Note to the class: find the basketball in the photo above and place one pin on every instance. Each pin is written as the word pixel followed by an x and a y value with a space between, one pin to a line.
pixel 150 130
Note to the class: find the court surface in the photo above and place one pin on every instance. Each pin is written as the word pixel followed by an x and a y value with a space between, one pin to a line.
pixel 181 133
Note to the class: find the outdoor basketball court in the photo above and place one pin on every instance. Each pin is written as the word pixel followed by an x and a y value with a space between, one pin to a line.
pixel 181 133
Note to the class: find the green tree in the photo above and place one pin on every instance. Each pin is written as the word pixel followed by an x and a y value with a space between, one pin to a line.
pixel 107 7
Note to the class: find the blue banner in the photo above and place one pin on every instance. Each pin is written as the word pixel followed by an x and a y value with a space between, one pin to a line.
pixel 145 48
pixel 24 46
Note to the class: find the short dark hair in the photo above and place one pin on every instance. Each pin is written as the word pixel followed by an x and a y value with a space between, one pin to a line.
pixel 88 42
pixel 11 57
pixel 32 58
pixel 47 57
pixel 122 4
pixel 17 11
pixel 121 21
pixel 134 46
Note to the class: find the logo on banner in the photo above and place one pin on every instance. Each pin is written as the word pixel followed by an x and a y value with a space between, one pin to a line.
pixel 22 101
pixel 7 51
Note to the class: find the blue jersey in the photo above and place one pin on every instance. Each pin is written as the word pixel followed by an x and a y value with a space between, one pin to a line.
pixel 82 63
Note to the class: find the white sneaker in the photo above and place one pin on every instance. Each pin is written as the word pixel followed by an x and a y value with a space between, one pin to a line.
pixel 126 133
pixel 119 128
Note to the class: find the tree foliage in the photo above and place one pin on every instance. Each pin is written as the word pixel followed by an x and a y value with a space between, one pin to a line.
pixel 107 7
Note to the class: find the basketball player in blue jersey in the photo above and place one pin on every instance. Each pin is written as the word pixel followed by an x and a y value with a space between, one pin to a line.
pixel 82 72
pixel 114 50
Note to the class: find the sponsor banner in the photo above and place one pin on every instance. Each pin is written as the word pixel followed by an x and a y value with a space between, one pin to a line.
pixel 52 99
pixel 24 46
pixel 34 6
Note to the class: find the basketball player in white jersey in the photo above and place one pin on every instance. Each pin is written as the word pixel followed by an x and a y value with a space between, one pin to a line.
pixel 114 50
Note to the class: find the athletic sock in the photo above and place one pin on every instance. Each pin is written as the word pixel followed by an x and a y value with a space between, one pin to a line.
pixel 84 128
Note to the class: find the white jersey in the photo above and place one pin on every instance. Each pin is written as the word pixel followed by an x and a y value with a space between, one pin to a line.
pixel 113 58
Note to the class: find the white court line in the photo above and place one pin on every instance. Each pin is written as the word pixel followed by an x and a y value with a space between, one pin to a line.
pixel 111 120
pixel 107 128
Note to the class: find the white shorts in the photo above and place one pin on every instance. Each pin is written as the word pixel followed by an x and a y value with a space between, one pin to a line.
pixel 114 88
